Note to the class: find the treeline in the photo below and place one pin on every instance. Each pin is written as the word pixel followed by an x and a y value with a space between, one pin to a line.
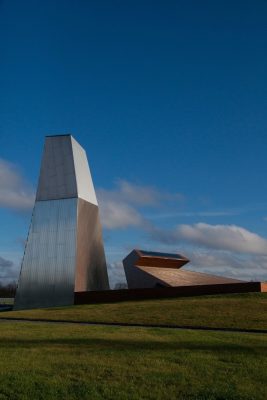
pixel 8 290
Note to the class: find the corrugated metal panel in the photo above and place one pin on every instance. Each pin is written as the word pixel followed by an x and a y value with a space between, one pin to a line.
pixel 50 261
pixel 91 269
pixel 48 269
pixel 57 176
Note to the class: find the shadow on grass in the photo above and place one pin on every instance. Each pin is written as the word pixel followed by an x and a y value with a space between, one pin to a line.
pixel 132 345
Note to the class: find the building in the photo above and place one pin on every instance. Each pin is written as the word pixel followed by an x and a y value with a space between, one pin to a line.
pixel 154 275
pixel 64 252
pixel 147 269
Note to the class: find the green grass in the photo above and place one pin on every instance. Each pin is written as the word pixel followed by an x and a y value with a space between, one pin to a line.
pixel 245 311
pixel 48 361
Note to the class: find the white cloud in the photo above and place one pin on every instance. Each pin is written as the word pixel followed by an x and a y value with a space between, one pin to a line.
pixel 225 237
pixel 5 263
pixel 222 237
pixel 137 194
pixel 115 214
pixel 8 270
pixel 193 214
pixel 115 208
pixel 225 263
pixel 119 206
pixel 15 192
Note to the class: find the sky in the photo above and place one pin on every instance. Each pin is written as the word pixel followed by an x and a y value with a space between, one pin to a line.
pixel 168 98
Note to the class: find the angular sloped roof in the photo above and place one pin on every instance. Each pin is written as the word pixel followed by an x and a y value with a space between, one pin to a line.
pixel 175 277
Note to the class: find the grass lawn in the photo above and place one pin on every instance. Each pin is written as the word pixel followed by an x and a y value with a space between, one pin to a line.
pixel 48 361
pixel 247 311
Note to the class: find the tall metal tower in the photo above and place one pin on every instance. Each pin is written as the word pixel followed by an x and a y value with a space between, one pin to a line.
pixel 64 252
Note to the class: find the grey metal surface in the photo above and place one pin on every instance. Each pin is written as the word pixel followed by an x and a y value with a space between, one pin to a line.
pixel 48 267
pixel 91 269
pixel 139 279
pixel 57 176
pixel 64 250
pixel 65 171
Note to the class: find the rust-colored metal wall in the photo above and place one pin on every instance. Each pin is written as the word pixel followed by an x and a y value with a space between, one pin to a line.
pixel 169 292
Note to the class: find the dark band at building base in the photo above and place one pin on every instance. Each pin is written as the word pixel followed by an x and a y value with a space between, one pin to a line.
pixel 108 296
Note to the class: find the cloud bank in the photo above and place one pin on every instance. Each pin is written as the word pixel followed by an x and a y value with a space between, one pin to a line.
pixel 221 249
pixel 15 192
pixel 221 237
pixel 225 237
pixel 227 250
pixel 119 206
pixel 8 271
pixel 246 267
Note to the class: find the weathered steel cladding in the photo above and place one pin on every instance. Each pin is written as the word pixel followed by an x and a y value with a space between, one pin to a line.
pixel 91 270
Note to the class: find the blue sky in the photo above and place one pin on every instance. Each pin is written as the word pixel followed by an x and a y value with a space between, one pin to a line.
pixel 169 100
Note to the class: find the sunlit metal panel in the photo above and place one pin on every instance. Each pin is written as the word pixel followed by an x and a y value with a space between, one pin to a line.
pixel 48 268
pixel 64 250
pixel 85 187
